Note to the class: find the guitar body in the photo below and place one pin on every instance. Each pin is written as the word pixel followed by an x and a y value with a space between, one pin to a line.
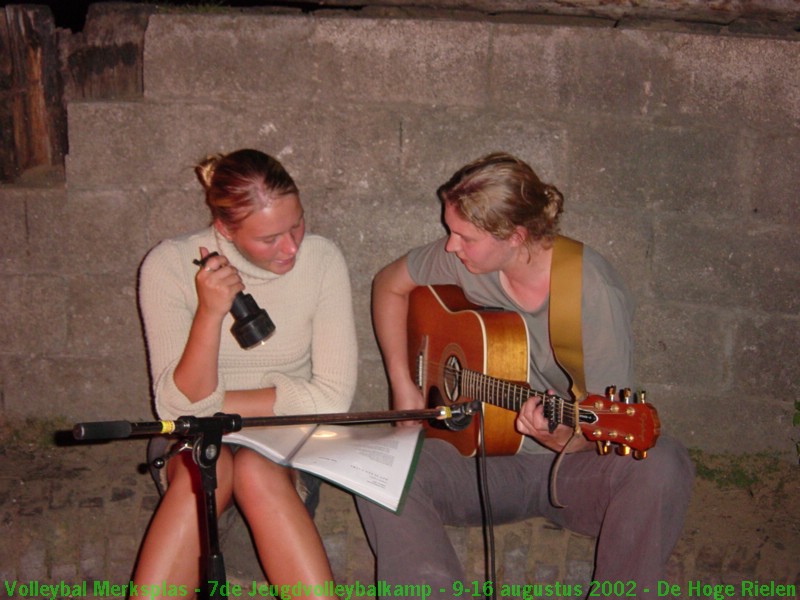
pixel 460 353
pixel 447 332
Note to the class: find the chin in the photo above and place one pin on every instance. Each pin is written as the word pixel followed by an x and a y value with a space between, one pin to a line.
pixel 473 269
pixel 280 268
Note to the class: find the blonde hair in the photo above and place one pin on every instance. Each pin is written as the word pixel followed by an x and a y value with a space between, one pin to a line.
pixel 242 182
pixel 499 193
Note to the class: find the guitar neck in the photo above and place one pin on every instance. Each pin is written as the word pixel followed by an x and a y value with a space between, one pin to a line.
pixel 511 396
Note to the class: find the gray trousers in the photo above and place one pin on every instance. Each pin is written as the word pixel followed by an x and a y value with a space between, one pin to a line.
pixel 635 509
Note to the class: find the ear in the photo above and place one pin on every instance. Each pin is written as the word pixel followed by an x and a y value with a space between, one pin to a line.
pixel 519 236
pixel 222 229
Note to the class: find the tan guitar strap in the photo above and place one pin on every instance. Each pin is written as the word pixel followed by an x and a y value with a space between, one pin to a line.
pixel 566 336
pixel 566 283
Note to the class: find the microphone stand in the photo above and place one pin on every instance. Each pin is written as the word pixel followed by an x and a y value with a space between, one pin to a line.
pixel 206 434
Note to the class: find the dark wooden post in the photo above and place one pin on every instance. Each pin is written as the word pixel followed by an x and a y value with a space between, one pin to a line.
pixel 33 123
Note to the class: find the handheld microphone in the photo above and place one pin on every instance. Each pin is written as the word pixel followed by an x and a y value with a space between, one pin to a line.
pixel 251 323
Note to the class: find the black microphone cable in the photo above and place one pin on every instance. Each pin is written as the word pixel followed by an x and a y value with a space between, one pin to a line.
pixel 488 521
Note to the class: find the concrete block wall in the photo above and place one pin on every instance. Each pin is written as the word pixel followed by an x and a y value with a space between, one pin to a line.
pixel 676 151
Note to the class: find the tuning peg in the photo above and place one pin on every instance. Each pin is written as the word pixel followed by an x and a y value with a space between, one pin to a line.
pixel 603 448
pixel 626 396
pixel 642 396
pixel 611 393
pixel 640 454
pixel 623 450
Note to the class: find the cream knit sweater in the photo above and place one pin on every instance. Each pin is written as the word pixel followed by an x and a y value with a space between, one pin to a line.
pixel 311 359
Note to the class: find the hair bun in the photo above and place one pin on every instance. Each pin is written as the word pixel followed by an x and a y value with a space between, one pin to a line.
pixel 205 170
pixel 555 201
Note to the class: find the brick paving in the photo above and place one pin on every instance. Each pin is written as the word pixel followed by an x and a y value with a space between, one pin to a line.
pixel 77 513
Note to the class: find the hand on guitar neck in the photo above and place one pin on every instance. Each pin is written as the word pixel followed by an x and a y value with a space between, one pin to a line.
pixel 532 421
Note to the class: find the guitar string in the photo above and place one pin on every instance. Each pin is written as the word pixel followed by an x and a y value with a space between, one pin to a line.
pixel 562 412
pixel 523 394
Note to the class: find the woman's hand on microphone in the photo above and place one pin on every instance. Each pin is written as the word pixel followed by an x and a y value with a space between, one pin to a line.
pixel 217 283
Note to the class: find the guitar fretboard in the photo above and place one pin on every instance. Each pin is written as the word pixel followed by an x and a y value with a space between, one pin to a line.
pixel 511 396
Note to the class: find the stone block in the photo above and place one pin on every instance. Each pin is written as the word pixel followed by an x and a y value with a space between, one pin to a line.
pixel 172 212
pixel 739 79
pixel 582 70
pixel 35 319
pixel 67 572
pixel 124 547
pixel 722 420
pixel 92 559
pixel 8 570
pixel 404 61
pixel 32 229
pixel 33 561
pixel 59 497
pixel 683 346
pixel 197 55
pixel 113 145
pixel 437 142
pixel 324 148
pixel 578 572
pixel 299 58
pixel 474 562
pixel 757 341
pixel 459 539
pixel 545 571
pixel 700 261
pixel 321 146
pixel 73 389
pixel 774 190
pixel 13 241
pixel 63 551
pixel 514 559
pixel 643 165
pixel 773 275
pixel 737 262
pixel 103 319
pixel 645 73
pixel 111 237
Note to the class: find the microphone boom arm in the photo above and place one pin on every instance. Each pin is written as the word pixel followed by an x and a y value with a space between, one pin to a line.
pixel 105 430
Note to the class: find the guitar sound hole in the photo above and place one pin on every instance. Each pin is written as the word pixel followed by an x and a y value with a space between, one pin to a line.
pixel 452 378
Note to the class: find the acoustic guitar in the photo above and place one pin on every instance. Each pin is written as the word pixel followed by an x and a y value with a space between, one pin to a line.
pixel 461 353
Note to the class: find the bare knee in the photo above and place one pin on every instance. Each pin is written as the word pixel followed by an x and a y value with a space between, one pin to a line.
pixel 259 480
pixel 185 479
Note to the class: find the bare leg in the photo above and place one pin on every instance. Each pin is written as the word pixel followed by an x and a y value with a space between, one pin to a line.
pixel 289 546
pixel 171 552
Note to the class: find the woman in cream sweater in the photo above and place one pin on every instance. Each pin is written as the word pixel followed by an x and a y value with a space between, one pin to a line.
pixel 307 366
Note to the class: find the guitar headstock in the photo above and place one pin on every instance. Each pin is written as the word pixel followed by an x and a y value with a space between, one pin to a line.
pixel 622 420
